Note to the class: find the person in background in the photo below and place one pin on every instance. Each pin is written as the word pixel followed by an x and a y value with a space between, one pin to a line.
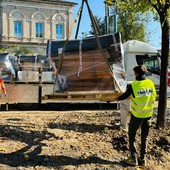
pixel 143 95
pixel 3 88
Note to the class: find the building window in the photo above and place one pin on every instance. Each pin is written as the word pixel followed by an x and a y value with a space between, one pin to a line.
pixel 17 28
pixel 59 31
pixel 39 30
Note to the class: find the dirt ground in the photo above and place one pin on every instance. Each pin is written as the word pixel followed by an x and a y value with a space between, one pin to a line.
pixel 76 139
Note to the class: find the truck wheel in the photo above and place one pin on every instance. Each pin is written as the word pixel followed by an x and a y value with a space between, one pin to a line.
pixel 28 106
pixel 57 106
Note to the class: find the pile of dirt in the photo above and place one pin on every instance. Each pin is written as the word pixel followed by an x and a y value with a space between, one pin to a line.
pixel 81 139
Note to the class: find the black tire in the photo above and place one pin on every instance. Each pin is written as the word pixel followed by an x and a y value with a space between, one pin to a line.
pixel 28 106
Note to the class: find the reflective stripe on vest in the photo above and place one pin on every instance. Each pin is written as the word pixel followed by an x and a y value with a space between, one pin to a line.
pixel 143 104
pixel 144 98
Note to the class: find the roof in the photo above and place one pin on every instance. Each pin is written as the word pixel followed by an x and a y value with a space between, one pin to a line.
pixel 57 2
pixel 138 46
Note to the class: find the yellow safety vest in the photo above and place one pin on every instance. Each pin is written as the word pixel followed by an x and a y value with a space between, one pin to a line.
pixel 144 98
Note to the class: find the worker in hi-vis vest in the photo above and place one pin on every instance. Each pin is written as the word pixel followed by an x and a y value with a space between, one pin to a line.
pixel 143 95
pixel 2 86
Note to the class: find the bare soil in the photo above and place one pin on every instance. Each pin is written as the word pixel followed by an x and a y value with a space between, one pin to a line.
pixel 74 139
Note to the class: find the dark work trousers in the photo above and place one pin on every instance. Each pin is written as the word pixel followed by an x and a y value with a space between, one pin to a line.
pixel 134 125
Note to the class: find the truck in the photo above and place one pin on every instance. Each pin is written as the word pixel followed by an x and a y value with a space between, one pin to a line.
pixel 136 53
pixel 86 74
pixel 21 77
pixel 80 73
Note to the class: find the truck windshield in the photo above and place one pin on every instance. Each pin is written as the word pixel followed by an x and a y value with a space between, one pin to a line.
pixel 152 62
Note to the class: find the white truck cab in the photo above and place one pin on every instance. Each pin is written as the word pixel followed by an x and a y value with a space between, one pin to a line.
pixel 136 53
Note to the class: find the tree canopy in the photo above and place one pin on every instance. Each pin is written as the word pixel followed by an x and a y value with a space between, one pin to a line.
pixel 21 51
pixel 100 23
pixel 131 26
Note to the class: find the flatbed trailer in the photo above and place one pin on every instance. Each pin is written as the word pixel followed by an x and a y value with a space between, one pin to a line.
pixel 29 95
pixel 88 74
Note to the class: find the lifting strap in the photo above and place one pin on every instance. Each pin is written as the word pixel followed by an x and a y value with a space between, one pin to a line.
pixel 65 44
pixel 78 16
pixel 78 25
pixel 97 33
pixel 69 35
pixel 99 44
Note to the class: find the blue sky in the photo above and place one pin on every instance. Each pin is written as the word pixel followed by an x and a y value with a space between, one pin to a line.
pixel 97 7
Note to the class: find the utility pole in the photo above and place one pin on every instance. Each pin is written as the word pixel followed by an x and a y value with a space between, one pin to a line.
pixel 106 19
pixel 115 19
pixel 110 20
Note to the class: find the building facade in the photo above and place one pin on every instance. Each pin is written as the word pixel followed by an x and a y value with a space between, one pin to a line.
pixel 30 23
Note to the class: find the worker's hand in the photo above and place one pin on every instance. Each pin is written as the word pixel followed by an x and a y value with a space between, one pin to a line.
pixel 5 94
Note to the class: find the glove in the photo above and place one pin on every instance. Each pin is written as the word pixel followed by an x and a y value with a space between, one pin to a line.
pixel 5 94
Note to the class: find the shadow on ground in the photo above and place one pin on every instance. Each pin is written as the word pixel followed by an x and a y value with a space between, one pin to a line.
pixel 24 157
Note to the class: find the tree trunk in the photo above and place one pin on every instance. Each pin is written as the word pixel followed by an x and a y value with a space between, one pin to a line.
pixel 162 105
